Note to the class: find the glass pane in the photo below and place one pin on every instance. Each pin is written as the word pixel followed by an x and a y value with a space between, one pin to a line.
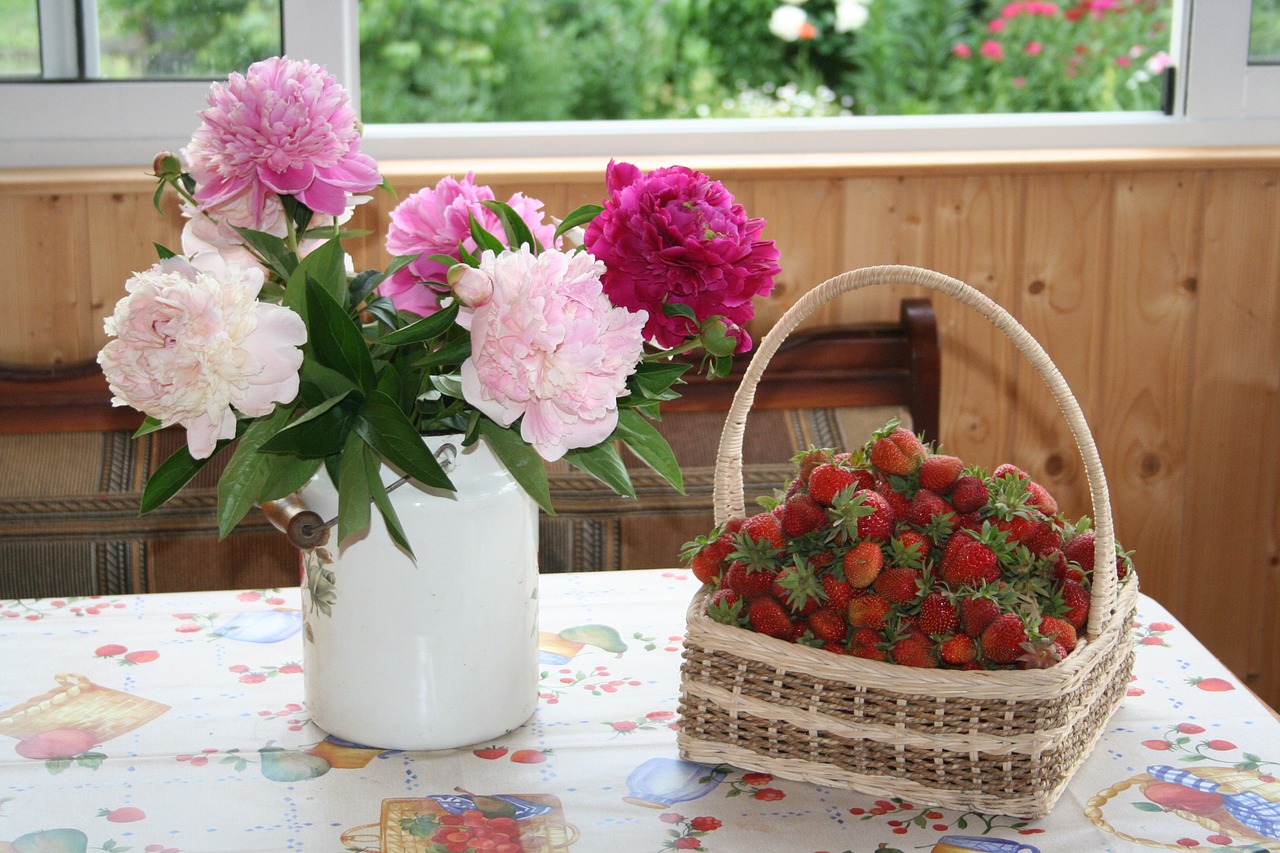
pixel 185 38
pixel 19 39
pixel 1264 33
pixel 529 60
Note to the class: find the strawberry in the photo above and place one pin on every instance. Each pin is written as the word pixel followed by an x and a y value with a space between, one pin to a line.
pixel 958 649
pixel 1075 598
pixel 909 548
pixel 1002 641
pixel 838 591
pixel 864 515
pixel 938 614
pixel 828 624
pixel 748 582
pixel 925 506
pixel 801 514
pixel 868 611
pixel 708 559
pixel 797 587
pixel 725 606
pixel 808 461
pixel 969 494
pixel 974 565
pixel 898 584
pixel 976 613
pixel 914 651
pixel 939 472
pixel 869 652
pixel 1059 631
pixel 1045 540
pixel 1038 496
pixel 1080 550
pixel 763 528
pixel 898 502
pixel 896 450
pixel 767 616
pixel 862 564
pixel 828 480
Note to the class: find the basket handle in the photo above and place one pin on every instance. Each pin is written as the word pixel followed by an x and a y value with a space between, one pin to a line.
pixel 727 495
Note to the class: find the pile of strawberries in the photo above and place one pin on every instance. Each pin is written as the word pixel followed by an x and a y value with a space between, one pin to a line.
pixel 897 553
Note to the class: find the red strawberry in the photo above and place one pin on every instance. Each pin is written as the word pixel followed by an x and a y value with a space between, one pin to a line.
pixel 1080 550
pixel 1039 495
pixel 899 584
pixel 938 614
pixel 838 591
pixel 725 606
pixel 862 564
pixel 828 624
pixel 1059 631
pixel 1002 641
pixel 925 506
pixel 914 651
pixel 748 582
pixel 897 452
pixel 958 649
pixel 801 514
pixel 829 480
pixel 798 589
pixel 973 565
pixel 877 522
pixel 869 652
pixel 868 611
pixel 708 559
pixel 912 545
pixel 1076 599
pixel 1046 540
pixel 977 613
pixel 898 502
pixel 767 616
pixel 808 461
pixel 939 472
pixel 764 528
pixel 969 494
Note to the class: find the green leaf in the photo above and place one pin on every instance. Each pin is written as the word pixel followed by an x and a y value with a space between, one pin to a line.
pixel 326 266
pixel 453 353
pixel 353 486
pixel 1147 807
pixel 163 252
pixel 484 240
pixel 423 330
pixel 149 425
pixel 285 475
pixel 449 261
pixel 387 511
pixel 361 286
pixel 243 478
pixel 679 309
pixel 653 379
pixel 647 443
pixel 335 339
pixel 603 463
pixel 388 431
pixel 174 473
pixel 320 383
pixel 450 386
pixel 518 233
pixel 271 250
pixel 522 461
pixel 383 310
pixel 320 432
pixel 581 216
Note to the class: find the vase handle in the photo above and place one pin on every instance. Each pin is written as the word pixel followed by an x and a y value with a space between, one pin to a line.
pixel 305 529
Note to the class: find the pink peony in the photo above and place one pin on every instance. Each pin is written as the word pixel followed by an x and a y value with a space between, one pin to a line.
pixel 284 127
pixel 547 347
pixel 674 235
pixel 212 228
pixel 192 343
pixel 992 50
pixel 436 222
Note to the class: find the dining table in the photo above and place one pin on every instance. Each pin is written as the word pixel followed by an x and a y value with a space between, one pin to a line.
pixel 177 723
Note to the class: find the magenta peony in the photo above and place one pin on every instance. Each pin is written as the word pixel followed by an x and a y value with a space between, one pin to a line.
pixel 189 344
pixel 284 127
pixel 435 222
pixel 674 235
pixel 547 347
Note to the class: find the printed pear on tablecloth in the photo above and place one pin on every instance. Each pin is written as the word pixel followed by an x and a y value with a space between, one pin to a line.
pixel 559 649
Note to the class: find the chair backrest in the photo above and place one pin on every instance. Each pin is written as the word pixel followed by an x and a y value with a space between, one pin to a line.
pixel 828 388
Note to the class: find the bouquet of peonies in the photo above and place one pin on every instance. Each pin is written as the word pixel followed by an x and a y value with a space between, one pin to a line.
pixel 550 339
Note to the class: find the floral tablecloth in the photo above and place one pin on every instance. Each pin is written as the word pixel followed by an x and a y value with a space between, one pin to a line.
pixel 164 723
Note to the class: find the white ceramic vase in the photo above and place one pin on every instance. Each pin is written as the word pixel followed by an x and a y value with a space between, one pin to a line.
pixel 432 653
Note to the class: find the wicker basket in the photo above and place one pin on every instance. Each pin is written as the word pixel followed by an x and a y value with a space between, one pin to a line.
pixel 1003 742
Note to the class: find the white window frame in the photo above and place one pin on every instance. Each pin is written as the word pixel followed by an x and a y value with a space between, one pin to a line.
pixel 1218 100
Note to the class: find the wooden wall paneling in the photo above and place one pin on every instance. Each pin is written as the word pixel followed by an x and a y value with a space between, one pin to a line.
pixel 43 255
pixel 1062 288
pixel 1152 303
pixel 804 218
pixel 886 221
pixel 122 230
pixel 1231 482
pixel 975 229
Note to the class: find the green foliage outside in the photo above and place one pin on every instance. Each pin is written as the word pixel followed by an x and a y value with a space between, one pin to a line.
pixel 532 60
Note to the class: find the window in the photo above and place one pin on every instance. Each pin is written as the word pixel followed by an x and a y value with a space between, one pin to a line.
pixel 1218 98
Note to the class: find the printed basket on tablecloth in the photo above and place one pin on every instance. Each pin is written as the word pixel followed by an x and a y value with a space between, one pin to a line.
pixel 1004 742
pixel 78 703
